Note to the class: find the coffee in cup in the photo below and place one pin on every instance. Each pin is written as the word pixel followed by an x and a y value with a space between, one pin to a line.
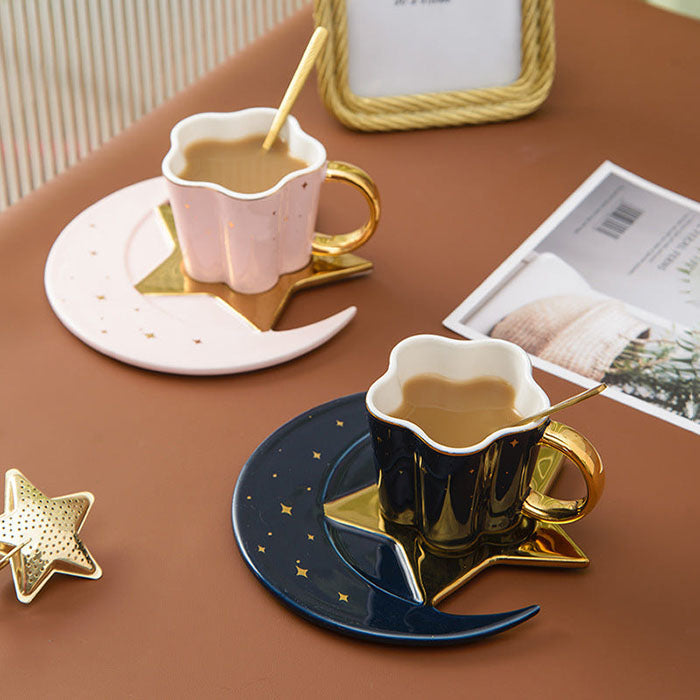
pixel 240 165
pixel 457 413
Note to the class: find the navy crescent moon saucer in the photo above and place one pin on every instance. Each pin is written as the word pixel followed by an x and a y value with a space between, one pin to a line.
pixel 352 582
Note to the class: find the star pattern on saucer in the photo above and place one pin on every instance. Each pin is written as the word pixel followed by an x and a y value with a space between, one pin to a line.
pixel 331 559
pixel 45 531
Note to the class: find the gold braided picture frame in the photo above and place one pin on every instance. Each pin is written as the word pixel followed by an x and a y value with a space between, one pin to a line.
pixel 450 108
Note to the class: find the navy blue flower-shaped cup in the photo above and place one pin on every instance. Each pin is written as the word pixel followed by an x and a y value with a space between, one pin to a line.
pixel 457 497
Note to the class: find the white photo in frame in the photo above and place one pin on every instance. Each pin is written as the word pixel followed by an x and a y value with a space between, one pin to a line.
pixel 402 47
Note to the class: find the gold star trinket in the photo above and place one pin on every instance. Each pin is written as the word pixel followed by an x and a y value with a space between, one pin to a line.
pixel 39 536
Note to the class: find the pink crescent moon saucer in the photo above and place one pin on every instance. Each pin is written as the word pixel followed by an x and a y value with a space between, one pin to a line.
pixel 90 276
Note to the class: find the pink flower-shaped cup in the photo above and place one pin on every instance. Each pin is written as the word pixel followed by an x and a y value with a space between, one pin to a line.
pixel 249 240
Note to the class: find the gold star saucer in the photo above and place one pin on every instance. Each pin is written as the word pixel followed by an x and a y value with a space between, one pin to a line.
pixel 435 575
pixel 263 310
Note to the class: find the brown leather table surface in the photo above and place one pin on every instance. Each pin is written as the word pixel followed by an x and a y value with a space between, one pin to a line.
pixel 177 612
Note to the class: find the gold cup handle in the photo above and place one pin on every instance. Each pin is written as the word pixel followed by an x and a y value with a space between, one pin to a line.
pixel 345 242
pixel 574 446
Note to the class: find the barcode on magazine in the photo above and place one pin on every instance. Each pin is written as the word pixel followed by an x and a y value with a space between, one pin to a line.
pixel 619 220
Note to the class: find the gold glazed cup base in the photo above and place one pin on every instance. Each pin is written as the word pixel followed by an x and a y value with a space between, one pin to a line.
pixel 262 311
pixel 437 574
pixel 513 536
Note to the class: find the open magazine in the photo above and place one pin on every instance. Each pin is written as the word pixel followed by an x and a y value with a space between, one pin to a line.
pixel 606 289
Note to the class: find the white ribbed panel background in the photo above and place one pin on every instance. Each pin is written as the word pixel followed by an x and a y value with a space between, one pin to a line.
pixel 75 72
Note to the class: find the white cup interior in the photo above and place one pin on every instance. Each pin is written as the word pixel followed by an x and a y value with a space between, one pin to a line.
pixel 230 126
pixel 456 360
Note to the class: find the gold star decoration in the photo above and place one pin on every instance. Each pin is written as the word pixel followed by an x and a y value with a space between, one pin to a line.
pixel 513 442
pixel 286 510
pixel 302 572
pixel 261 311
pixel 340 423
pixel 310 537
pixel 261 549
pixel 317 455
pixel 150 335
pixel 39 535
pixel 436 576
pixel 342 597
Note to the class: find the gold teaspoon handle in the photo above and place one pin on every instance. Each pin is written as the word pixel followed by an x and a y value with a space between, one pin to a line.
pixel 563 404
pixel 318 39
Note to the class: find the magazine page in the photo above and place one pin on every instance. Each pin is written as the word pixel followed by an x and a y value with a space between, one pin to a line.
pixel 606 289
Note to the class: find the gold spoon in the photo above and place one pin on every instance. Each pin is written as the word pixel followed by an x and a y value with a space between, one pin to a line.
pixel 318 39
pixel 562 404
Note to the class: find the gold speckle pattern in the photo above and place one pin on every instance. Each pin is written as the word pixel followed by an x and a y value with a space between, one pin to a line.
pixel 286 510
pixel 340 423
pixel 310 536
pixel 342 597
pixel 49 528
pixel 317 455
pixel 302 572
